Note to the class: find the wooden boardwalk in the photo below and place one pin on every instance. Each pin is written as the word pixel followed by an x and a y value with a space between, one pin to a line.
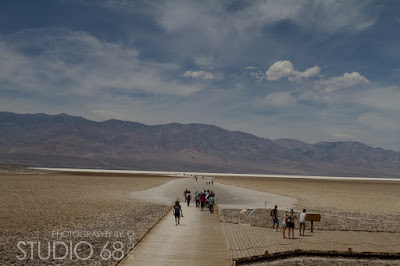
pixel 245 241
pixel 199 239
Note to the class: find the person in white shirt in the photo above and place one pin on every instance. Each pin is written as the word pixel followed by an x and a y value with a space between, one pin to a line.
pixel 284 225
pixel 302 221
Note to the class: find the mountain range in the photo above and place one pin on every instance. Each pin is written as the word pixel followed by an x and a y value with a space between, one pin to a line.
pixel 62 140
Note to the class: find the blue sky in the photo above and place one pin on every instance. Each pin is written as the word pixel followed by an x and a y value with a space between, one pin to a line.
pixel 309 70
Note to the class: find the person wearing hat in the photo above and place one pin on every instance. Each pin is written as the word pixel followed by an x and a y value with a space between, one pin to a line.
pixel 177 212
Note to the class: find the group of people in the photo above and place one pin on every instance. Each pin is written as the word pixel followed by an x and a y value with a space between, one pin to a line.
pixel 210 183
pixel 205 198
pixel 288 221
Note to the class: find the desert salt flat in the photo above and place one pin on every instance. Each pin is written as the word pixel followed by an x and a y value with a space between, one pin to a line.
pixel 228 197
pixel 219 174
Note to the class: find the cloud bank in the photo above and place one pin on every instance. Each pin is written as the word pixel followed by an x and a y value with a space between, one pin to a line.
pixel 342 82
pixel 65 61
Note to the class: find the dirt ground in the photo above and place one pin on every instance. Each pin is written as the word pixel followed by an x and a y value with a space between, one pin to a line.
pixel 343 205
pixel 72 207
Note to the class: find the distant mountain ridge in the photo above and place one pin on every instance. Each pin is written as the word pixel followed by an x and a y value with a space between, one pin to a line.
pixel 75 142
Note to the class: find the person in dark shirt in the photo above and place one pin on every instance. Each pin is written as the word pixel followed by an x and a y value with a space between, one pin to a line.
pixel 211 202
pixel 177 212
pixel 275 220
pixel 188 198
pixel 290 222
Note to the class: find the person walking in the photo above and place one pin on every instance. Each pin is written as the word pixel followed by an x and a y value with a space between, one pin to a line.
pixel 188 198
pixel 207 195
pixel 290 222
pixel 197 199
pixel 184 194
pixel 177 212
pixel 302 222
pixel 202 200
pixel 211 202
pixel 275 220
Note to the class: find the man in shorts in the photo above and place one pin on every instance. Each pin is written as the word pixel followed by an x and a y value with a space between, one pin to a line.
pixel 275 220
pixel 177 212
pixel 290 222
pixel 302 221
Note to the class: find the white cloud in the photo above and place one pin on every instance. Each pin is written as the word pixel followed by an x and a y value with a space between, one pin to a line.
pixel 328 16
pixel 76 62
pixel 321 15
pixel 297 76
pixel 283 69
pixel 280 69
pixel 342 82
pixel 199 74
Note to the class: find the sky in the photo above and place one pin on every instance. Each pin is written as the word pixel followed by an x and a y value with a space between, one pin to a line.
pixel 309 70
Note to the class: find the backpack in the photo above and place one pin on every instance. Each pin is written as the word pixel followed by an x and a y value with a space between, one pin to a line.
pixel 289 219
pixel 272 212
